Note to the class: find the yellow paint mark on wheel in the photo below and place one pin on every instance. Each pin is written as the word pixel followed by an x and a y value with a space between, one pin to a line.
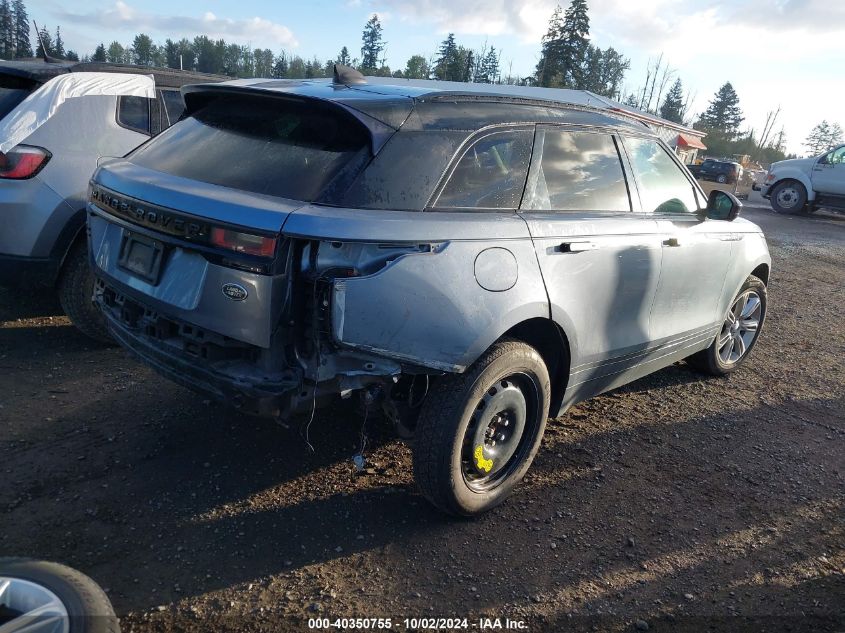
pixel 483 464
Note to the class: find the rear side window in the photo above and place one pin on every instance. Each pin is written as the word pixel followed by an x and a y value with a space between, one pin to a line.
pixel 10 98
pixel 286 148
pixel 576 171
pixel 663 186
pixel 490 174
pixel 134 113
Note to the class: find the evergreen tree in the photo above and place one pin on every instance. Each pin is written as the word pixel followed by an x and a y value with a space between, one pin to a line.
pixel 171 53
pixel 548 68
pixel 189 55
pixel 143 50
pixel 417 68
pixel 23 47
pixel 7 31
pixel 564 47
pixel 823 137
pixel 673 105
pixel 631 101
pixel 59 44
pixel 344 57
pixel 99 54
pixel 71 56
pixel 115 53
pixel 371 46
pixel 468 70
pixel 455 63
pixel 489 71
pixel 723 116
pixel 45 44
pixel 280 68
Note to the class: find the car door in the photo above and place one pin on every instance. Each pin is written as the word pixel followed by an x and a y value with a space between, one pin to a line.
pixel 600 260
pixel 829 173
pixel 696 251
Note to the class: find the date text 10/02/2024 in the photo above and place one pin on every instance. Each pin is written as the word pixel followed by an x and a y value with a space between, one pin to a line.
pixel 479 624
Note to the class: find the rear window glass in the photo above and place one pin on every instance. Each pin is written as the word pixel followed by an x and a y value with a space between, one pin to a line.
pixel 134 113
pixel 491 173
pixel 270 146
pixel 11 97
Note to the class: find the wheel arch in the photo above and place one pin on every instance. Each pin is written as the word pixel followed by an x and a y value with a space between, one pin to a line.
pixel 762 272
pixel 800 178
pixel 549 339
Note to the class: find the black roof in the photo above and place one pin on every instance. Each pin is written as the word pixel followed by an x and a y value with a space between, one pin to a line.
pixel 39 71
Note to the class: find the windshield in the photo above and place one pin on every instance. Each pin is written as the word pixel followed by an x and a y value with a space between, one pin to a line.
pixel 291 149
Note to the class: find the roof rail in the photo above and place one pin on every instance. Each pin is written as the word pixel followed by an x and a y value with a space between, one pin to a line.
pixel 345 75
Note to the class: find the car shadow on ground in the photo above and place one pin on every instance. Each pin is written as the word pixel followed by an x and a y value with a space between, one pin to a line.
pixel 192 499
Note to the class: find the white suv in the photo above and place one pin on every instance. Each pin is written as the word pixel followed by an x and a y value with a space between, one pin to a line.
pixel 807 183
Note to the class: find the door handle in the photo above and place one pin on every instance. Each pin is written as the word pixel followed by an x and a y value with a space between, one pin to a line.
pixel 577 247
pixel 673 241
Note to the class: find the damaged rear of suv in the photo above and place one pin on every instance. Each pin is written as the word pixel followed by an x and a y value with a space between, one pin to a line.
pixel 288 242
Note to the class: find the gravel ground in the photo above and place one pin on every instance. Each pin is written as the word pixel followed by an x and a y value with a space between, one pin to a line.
pixel 676 503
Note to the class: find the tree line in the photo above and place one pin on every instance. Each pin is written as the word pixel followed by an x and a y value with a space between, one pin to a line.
pixel 567 59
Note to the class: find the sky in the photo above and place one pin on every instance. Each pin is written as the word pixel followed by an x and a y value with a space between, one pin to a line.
pixel 786 53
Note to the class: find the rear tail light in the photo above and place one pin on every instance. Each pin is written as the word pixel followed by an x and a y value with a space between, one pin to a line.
pixel 243 242
pixel 22 162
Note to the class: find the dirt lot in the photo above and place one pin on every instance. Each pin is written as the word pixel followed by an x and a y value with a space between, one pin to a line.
pixel 677 503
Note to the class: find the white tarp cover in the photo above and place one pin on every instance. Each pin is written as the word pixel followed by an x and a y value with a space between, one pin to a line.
pixel 37 108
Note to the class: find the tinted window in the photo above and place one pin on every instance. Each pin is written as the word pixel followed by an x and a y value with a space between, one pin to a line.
pixel 491 173
pixel 576 171
pixel 174 106
pixel 11 97
pixel 663 186
pixel 134 113
pixel 272 146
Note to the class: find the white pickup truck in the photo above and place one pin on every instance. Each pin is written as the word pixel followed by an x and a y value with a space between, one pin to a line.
pixel 804 184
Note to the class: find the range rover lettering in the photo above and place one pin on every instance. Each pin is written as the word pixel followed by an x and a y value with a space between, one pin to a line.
pixel 473 258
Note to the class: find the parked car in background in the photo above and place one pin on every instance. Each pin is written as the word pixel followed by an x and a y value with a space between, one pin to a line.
pixel 472 257
pixel 804 184
pixel 720 171
pixel 57 120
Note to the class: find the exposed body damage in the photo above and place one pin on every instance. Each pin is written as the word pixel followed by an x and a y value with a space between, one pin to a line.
pixel 472 263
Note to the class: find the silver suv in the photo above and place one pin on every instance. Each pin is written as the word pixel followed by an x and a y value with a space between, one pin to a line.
pixel 57 120
pixel 472 258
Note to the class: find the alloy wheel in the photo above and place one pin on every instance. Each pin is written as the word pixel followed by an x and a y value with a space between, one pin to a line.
pixel 740 328
pixel 30 607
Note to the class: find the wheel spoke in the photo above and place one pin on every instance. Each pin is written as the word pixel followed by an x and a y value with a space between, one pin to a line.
pixel 725 352
pixel 740 346
pixel 751 306
pixel 724 340
pixel 749 325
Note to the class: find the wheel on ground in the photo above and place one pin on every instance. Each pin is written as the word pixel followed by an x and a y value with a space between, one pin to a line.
pixel 42 597
pixel 789 196
pixel 76 288
pixel 738 334
pixel 478 432
pixel 721 178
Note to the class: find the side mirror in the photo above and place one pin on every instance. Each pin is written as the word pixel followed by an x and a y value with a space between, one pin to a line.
pixel 722 205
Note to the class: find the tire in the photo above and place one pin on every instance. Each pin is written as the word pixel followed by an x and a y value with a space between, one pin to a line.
pixel 721 178
pixel 85 603
pixel 452 465
pixel 713 360
pixel 76 288
pixel 789 196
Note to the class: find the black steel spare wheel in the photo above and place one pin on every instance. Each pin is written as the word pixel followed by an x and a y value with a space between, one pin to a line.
pixel 479 431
